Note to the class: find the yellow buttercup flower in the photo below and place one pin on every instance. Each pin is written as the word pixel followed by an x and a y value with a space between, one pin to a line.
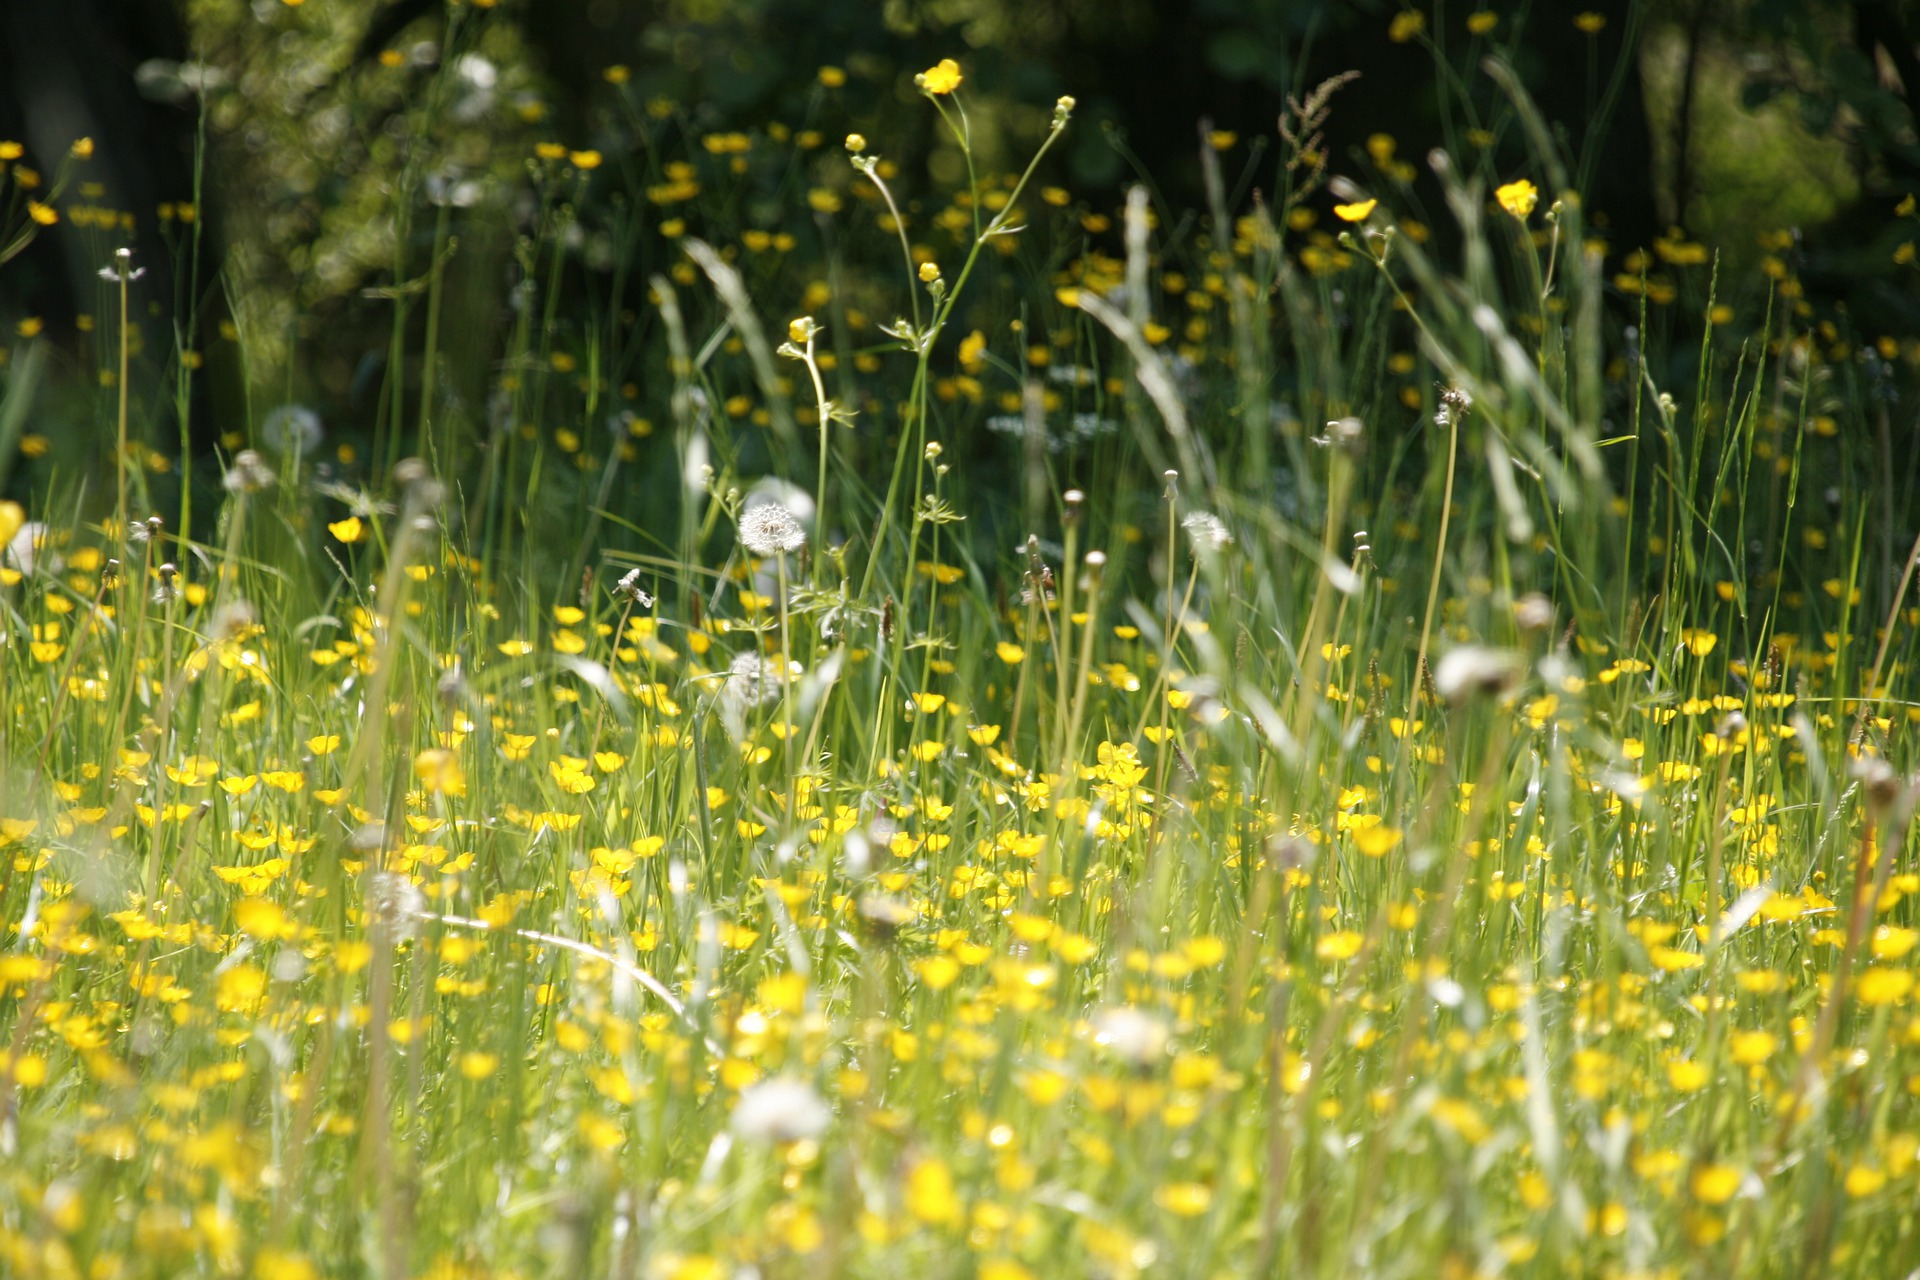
pixel 1358 211
pixel 1518 198
pixel 943 78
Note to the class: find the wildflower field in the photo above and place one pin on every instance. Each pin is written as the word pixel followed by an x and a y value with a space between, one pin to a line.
pixel 982 734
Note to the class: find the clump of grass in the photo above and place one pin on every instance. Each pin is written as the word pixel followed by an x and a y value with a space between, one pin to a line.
pixel 1473 847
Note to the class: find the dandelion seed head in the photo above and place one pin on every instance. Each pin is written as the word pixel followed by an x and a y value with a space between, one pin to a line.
pixel 1131 1034
pixel 1207 532
pixel 292 428
pixel 769 529
pixel 780 1110
pixel 751 681
pixel 1476 671
pixel 629 589
pixel 397 902
pixel 249 473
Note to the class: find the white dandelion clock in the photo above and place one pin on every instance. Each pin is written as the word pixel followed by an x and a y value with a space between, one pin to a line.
pixel 248 474
pixel 750 681
pixel 780 1110
pixel 1207 532
pixel 1131 1034
pixel 292 428
pixel 769 529
pixel 1476 671
pixel 797 501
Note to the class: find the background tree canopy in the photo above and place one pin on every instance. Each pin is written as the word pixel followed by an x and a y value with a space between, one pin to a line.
pixel 1733 119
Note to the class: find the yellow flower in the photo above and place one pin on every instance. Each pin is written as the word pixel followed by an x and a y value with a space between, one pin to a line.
pixel 274 1264
pixel 352 529
pixel 1590 22
pixel 1184 1199
pixel 1698 643
pixel 832 77
pixel 938 972
pixel 1672 960
pixel 800 331
pixel 973 349
pixel 929 272
pixel 1751 1048
pixel 439 771
pixel 1482 22
pixel 1376 841
pixel 1343 944
pixel 584 159
pixel 1406 24
pixel 943 78
pixel 1009 653
pixel 1356 212
pixel 478 1066
pixel 1879 985
pixel 1686 1075
pixel 43 214
pixel 263 919
pixel 931 1196
pixel 1864 1180
pixel 1518 198
pixel 1715 1183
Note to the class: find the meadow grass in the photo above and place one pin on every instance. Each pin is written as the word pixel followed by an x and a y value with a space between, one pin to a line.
pixel 1430 803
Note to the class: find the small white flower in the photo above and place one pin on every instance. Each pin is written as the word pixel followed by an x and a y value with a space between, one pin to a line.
pixel 770 529
pixel 780 1110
